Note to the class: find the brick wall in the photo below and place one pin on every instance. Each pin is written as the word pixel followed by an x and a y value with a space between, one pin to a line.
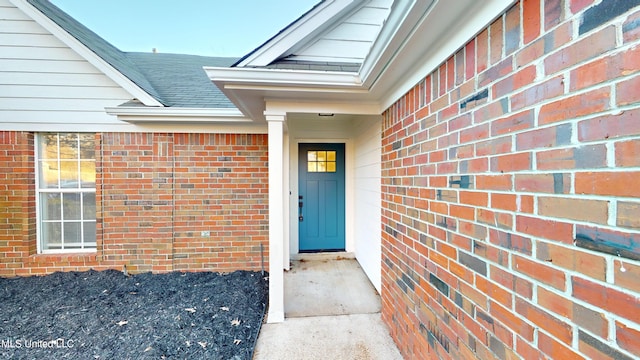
pixel 156 195
pixel 511 191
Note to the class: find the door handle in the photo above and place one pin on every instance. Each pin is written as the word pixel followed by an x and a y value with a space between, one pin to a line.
pixel 300 205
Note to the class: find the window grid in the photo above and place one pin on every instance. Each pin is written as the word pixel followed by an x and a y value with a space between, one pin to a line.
pixel 321 161
pixel 57 222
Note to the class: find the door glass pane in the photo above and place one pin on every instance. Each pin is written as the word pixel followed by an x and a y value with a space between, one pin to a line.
pixel 69 146
pixel 312 167
pixel 50 205
pixel 71 206
pixel 311 156
pixel 322 156
pixel 331 156
pixel 331 167
pixel 322 167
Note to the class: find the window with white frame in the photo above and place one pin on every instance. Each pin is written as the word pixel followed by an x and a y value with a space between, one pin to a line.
pixel 66 186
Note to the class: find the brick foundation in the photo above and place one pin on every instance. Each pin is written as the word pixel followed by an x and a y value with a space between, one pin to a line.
pixel 510 188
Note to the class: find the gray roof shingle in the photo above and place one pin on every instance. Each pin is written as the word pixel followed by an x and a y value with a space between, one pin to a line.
pixel 172 79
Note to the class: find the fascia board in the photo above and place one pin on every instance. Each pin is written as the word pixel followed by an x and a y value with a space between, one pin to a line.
pixel 250 78
pixel 86 53
pixel 291 37
pixel 136 114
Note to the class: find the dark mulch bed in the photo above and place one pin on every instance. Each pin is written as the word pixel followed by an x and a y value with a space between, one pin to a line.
pixel 107 315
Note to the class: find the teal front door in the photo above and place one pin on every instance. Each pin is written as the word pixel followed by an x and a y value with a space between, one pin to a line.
pixel 321 214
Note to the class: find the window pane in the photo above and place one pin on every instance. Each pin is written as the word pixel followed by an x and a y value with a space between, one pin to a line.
pixel 89 234
pixel 331 156
pixel 322 167
pixel 331 167
pixel 322 156
pixel 49 174
pixel 88 174
pixel 71 209
pixel 312 167
pixel 89 206
pixel 72 235
pixel 69 174
pixel 87 147
pixel 68 146
pixel 50 205
pixel 51 235
pixel 48 146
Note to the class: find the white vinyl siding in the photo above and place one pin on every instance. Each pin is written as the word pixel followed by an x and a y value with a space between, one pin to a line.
pixel 44 82
pixel 367 212
pixel 351 39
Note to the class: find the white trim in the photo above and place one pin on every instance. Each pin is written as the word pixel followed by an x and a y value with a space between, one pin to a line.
pixel 86 53
pixel 135 114
pixel 299 32
pixel 276 218
pixel 241 77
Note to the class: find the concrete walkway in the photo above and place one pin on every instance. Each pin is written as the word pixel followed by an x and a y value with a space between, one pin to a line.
pixel 332 312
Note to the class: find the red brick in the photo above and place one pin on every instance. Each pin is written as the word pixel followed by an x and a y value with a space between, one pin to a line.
pixel 610 126
pixel 627 153
pixel 557 183
pixel 628 91
pixel 470 60
pixel 538 93
pixel 594 211
pixel 515 82
pixel 545 45
pixel 555 349
pixel 631 28
pixel 572 259
pixel 622 304
pixel 494 182
pixel 584 157
pixel 607 183
pixel 512 321
pixel 546 137
pixel 478 132
pixel 494 146
pixel 592 46
pixel 519 121
pixel 540 272
pixel 547 229
pixel 554 326
pixel 553 13
pixel 531 20
pixel 511 162
pixel 579 5
pixel 626 274
pixel 589 103
pixel 474 198
pixel 628 215
pixel 496 40
pixel 628 338
pixel 482 51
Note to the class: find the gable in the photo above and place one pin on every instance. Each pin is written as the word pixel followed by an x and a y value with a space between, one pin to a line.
pixel 350 39
pixel 42 80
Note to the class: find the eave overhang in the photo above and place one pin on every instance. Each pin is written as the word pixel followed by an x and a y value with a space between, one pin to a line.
pixel 143 114
pixel 417 37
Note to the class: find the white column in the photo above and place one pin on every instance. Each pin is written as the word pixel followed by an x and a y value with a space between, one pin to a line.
pixel 276 217
pixel 287 205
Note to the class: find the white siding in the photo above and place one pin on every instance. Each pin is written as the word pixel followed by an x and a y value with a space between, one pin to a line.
pixel 44 84
pixel 351 39
pixel 367 212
